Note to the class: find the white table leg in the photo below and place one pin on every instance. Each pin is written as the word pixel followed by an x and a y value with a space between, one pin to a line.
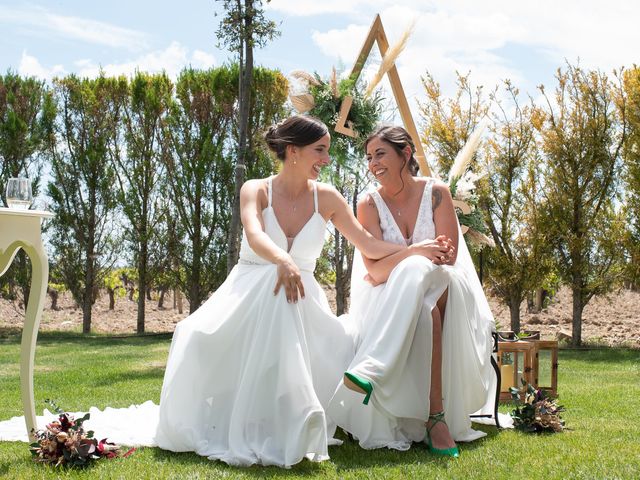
pixel 39 280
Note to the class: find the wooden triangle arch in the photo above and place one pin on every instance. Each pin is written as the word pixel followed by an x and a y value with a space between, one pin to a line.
pixel 377 34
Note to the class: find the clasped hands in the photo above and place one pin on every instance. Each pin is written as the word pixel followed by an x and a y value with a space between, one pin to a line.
pixel 439 250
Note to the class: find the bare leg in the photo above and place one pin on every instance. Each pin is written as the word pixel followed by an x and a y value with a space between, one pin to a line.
pixel 440 436
pixel 442 304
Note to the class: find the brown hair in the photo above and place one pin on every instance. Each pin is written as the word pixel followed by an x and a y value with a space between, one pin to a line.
pixel 298 130
pixel 399 139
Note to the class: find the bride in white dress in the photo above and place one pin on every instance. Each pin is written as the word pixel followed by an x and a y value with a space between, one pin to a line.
pixel 424 346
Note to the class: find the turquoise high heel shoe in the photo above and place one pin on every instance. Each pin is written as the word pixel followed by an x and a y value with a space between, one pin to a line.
pixel 365 385
pixel 445 452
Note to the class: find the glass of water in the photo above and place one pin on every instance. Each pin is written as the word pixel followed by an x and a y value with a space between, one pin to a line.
pixel 18 193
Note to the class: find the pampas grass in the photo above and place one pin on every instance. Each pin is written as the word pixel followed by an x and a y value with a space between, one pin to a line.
pixel 389 59
pixel 466 153
pixel 303 102
pixel 305 77
pixel 333 82
pixel 479 238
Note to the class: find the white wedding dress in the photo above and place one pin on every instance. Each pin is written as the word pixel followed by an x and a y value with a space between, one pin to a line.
pixel 249 375
pixel 395 343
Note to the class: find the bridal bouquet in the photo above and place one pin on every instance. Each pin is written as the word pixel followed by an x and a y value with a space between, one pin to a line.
pixel 538 413
pixel 65 442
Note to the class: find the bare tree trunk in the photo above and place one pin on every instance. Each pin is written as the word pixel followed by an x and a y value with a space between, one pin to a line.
pixel 87 294
pixel 142 286
pixel 161 298
pixel 339 261
pixel 538 299
pixel 112 298
pixel 54 294
pixel 576 316
pixel 178 298
pixel 514 309
pixel 195 290
pixel 245 78
pixel 24 267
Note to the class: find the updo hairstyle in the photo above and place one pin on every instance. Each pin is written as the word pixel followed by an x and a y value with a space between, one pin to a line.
pixel 298 130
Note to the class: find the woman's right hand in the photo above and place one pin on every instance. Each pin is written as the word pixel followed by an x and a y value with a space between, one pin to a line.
pixel 438 250
pixel 289 278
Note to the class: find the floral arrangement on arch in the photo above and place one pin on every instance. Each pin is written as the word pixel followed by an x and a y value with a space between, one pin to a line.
pixel 65 442
pixel 538 412
pixel 323 99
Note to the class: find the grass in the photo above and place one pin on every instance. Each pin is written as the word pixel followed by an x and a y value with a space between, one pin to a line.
pixel 600 389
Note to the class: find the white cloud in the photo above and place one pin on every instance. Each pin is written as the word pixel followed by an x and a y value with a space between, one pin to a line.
pixel 30 67
pixel 301 8
pixel 202 59
pixel 341 44
pixel 170 60
pixel 41 20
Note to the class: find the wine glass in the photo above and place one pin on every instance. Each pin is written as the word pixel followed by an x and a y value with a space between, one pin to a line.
pixel 18 193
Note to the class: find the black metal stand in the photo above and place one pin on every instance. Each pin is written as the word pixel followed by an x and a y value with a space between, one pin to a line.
pixel 496 369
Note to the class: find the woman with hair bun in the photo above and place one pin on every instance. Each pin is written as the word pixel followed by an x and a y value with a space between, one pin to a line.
pixel 251 372
pixel 424 346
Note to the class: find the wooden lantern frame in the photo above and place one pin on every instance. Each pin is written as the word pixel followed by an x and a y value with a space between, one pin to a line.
pixel 378 35
pixel 529 350
pixel 552 347
pixel 531 369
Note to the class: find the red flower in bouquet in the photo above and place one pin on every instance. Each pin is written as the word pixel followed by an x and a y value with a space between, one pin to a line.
pixel 65 442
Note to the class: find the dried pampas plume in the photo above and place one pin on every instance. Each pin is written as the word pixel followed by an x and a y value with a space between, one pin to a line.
pixel 479 238
pixel 333 82
pixel 305 77
pixel 390 58
pixel 466 153
pixel 302 103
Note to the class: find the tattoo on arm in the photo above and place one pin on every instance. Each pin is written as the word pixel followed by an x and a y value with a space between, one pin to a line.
pixel 436 198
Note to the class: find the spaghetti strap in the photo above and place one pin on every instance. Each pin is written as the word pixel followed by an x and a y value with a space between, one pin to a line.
pixel 269 190
pixel 315 197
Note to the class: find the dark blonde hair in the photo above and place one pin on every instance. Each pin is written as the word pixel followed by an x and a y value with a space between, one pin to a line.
pixel 399 139
pixel 298 130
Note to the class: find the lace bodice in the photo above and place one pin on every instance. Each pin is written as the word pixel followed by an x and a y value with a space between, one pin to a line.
pixel 424 228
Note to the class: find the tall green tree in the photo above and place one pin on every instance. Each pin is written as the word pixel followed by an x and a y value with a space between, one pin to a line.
pixel 582 139
pixel 242 28
pixel 27 114
pixel 199 175
pixel 139 169
pixel 632 178
pixel 448 123
pixel 519 262
pixel 82 183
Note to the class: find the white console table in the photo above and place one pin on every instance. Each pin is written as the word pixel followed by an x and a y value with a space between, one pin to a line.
pixel 22 229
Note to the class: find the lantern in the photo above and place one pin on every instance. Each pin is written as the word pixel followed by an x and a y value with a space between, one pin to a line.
pixel 516 360
pixel 527 358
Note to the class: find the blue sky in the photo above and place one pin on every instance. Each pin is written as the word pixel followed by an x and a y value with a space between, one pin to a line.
pixel 494 39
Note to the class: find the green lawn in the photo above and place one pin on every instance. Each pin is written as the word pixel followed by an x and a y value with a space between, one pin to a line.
pixel 599 388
